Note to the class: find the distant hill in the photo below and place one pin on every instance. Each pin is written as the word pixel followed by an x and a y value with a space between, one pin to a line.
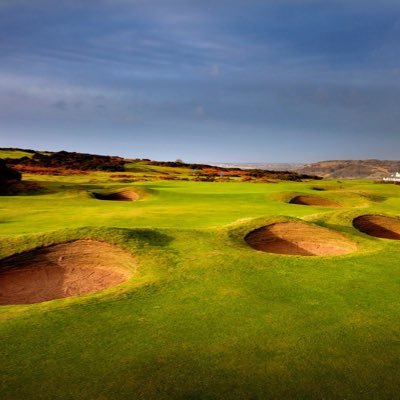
pixel 32 161
pixel 351 169
pixel 265 166
pixel 65 163
pixel 61 159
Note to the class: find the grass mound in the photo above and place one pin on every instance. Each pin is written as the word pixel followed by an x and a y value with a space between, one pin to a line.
pixel 298 238
pixel 313 201
pixel 62 270
pixel 378 226
pixel 124 195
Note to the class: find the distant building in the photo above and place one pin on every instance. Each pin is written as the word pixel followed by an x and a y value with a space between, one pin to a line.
pixel 393 177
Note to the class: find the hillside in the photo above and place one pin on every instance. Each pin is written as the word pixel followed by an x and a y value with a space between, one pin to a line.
pixel 63 159
pixel 64 163
pixel 351 169
pixel 71 163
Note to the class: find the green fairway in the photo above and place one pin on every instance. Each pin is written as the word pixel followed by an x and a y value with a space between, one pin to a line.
pixel 205 316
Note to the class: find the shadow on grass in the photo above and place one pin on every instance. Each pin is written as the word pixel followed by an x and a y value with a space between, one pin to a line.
pixel 372 228
pixel 147 237
pixel 272 243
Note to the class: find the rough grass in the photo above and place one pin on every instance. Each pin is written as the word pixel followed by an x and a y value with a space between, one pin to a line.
pixel 15 154
pixel 206 316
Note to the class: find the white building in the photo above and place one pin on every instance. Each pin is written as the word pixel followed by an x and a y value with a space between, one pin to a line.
pixel 393 177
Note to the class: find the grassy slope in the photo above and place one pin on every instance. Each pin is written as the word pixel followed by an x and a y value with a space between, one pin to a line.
pixel 142 167
pixel 18 153
pixel 14 154
pixel 206 316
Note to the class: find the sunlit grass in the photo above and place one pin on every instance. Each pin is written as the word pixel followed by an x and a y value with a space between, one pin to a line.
pixel 205 317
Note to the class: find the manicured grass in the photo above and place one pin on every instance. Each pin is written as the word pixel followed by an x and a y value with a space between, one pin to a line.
pixel 206 316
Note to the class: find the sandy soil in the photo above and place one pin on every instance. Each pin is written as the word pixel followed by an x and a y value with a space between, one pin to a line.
pixel 378 226
pixel 313 201
pixel 125 195
pixel 63 270
pixel 297 238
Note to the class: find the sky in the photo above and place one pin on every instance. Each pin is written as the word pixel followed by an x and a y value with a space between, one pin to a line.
pixel 203 81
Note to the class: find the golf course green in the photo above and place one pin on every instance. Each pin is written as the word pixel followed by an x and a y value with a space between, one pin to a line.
pixel 203 315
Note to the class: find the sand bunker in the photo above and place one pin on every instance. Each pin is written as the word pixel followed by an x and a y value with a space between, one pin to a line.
pixel 124 195
pixel 313 201
pixel 62 270
pixel 297 238
pixel 378 226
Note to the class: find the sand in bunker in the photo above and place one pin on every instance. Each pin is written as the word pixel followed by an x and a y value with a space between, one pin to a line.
pixel 378 226
pixel 313 201
pixel 125 195
pixel 297 238
pixel 63 270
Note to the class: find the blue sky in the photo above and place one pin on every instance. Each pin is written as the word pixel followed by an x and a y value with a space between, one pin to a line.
pixel 209 81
